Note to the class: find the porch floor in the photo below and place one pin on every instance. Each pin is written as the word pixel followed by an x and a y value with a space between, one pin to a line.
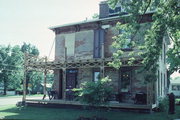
pixel 112 104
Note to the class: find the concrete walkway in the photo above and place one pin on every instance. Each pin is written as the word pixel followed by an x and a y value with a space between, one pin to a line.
pixel 13 100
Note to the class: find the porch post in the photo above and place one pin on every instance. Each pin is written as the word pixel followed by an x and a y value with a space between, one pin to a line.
pixel 44 87
pixel 24 80
pixel 45 81
pixel 147 99
pixel 102 58
pixel 64 84
pixel 64 74
pixel 149 94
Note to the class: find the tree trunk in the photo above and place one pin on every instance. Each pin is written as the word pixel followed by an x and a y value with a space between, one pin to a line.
pixel 5 86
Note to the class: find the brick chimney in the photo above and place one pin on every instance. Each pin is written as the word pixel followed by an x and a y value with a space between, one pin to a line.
pixel 103 9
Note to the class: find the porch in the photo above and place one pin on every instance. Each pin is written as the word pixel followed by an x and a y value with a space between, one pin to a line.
pixel 115 105
pixel 124 100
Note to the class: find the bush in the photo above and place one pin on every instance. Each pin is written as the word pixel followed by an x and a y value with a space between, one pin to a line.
pixel 95 93
pixel 164 104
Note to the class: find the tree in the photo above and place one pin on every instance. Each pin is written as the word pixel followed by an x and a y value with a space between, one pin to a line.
pixel 31 76
pixel 95 16
pixel 30 49
pixel 11 63
pixel 35 80
pixel 166 22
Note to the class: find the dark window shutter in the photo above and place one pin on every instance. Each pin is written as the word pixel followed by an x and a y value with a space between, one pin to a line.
pixel 96 44
pixel 98 40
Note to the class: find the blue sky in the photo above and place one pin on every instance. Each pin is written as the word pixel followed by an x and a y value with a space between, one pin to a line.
pixel 28 20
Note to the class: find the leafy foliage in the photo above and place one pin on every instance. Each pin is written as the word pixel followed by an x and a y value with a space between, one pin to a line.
pixel 166 21
pixel 95 93
pixel 30 49
pixel 11 63
pixel 164 104
pixel 12 70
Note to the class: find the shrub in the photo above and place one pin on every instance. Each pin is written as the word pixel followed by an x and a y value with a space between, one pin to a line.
pixel 95 93
pixel 163 104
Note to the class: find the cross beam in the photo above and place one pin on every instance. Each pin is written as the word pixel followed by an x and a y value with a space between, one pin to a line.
pixel 86 63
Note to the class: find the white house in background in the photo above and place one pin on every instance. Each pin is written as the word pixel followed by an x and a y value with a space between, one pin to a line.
pixel 174 87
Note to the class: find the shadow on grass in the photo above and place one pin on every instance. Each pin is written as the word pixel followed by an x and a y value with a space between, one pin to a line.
pixel 34 113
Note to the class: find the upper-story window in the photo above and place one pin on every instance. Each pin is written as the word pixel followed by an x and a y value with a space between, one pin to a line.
pixel 70 44
pixel 113 12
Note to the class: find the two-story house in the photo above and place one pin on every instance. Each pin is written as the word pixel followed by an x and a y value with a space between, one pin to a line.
pixel 83 51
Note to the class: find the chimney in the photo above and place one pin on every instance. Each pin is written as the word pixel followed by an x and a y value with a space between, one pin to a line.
pixel 103 10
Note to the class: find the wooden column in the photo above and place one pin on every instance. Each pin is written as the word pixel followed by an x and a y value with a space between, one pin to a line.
pixel 64 84
pixel 102 65
pixel 24 80
pixel 149 94
pixel 147 98
pixel 45 80
pixel 64 74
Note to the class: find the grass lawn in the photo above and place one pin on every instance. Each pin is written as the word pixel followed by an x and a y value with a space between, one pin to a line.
pixel 35 113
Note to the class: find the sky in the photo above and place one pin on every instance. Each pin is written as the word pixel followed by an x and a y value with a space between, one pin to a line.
pixel 28 20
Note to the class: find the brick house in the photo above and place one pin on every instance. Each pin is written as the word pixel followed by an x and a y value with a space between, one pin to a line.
pixel 84 50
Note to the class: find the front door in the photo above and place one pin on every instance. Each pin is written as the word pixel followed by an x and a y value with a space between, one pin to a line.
pixel 71 82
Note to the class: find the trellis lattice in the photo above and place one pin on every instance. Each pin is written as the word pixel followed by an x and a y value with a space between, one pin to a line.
pixel 35 63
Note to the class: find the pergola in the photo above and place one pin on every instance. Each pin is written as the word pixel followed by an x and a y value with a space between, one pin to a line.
pixel 35 63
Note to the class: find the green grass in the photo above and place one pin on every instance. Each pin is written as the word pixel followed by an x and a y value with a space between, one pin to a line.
pixel 36 113
pixel 178 101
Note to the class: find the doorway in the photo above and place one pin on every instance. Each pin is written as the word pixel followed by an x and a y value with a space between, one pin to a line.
pixel 71 82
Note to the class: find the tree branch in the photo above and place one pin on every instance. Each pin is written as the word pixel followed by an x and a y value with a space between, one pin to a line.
pixel 141 18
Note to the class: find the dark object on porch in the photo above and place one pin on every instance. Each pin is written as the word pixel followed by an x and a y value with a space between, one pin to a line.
pixel 140 98
pixel 52 94
pixel 122 96
pixel 171 103
pixel 69 94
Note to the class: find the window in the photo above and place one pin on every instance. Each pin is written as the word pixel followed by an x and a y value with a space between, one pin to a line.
pixel 125 81
pixel 164 53
pixel 113 12
pixel 70 44
pixel 158 82
pixel 96 76
pixel 176 87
